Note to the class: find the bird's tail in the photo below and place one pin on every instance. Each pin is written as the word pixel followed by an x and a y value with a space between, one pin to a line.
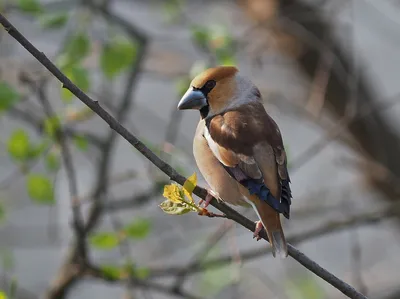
pixel 272 224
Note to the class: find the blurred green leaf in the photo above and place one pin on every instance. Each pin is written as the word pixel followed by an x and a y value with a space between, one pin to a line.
pixel 141 272
pixel 138 229
pixel 13 287
pixel 173 9
pixel 305 287
pixel 225 57
pixel 53 20
pixel 174 208
pixel 81 142
pixel 8 96
pixel 40 188
pixel 52 162
pixel 30 6
pixel 52 125
pixel 104 240
pixel 36 150
pixel 200 34
pixel 111 271
pixel 182 85
pixel 116 56
pixel 3 295
pixel 215 279
pixel 80 77
pixel 78 46
pixel 18 145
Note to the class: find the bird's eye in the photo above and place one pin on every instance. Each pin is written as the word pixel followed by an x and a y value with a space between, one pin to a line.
pixel 210 84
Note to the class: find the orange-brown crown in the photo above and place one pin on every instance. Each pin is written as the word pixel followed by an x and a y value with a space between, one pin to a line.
pixel 224 90
pixel 216 73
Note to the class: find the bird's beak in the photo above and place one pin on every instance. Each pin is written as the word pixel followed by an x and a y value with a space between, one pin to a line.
pixel 192 99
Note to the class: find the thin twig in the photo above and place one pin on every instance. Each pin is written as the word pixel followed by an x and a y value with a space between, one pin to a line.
pixel 366 218
pixel 78 223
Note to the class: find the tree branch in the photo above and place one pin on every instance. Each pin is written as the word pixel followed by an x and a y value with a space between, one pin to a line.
pixel 166 168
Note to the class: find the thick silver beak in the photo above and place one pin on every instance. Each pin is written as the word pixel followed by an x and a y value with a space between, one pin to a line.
pixel 192 99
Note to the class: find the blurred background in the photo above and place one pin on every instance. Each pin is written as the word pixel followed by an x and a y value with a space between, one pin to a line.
pixel 328 74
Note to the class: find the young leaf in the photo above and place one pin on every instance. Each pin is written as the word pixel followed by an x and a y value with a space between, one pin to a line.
pixel 8 96
pixel 111 271
pixel 138 229
pixel 182 85
pixel 3 295
pixel 52 162
pixel 200 35
pixel 141 272
pixel 189 186
pixel 78 46
pixel 174 193
pixel 117 56
pixel 18 145
pixel 40 189
pixel 54 21
pixel 30 6
pixel 104 240
pixel 37 149
pixel 52 125
pixel 175 208
pixel 81 142
pixel 78 76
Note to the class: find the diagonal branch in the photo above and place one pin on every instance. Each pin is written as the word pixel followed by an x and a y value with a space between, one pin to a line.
pixel 166 168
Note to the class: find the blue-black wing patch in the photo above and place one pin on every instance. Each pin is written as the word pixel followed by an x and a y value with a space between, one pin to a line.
pixel 257 187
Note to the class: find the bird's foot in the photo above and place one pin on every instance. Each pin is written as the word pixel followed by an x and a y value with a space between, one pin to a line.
pixel 203 211
pixel 259 227
pixel 209 197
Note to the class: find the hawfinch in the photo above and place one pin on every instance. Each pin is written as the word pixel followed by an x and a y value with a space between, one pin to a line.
pixel 238 149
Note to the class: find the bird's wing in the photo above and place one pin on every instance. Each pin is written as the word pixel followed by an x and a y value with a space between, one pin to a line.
pixel 248 143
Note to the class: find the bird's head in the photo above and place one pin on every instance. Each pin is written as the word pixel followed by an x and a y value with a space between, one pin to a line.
pixel 211 91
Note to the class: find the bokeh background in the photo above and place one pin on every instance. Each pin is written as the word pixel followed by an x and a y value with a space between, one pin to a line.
pixel 328 73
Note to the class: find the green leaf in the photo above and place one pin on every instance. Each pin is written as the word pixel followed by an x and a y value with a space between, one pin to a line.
pixel 104 240
pixel 36 150
pixel 40 189
pixel 52 125
pixel 78 46
pixel 200 35
pixel 80 77
pixel 3 295
pixel 18 145
pixel 30 6
pixel 54 21
pixel 52 162
pixel 111 271
pixel 305 287
pixel 175 208
pixel 138 229
pixel 213 280
pixel 189 186
pixel 141 272
pixel 182 85
pixel 8 96
pixel 81 142
pixel 116 56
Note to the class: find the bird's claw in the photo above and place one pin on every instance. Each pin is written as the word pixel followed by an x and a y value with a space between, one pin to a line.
pixel 259 227
pixel 209 197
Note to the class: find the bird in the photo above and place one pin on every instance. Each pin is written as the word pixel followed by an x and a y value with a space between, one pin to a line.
pixel 239 150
